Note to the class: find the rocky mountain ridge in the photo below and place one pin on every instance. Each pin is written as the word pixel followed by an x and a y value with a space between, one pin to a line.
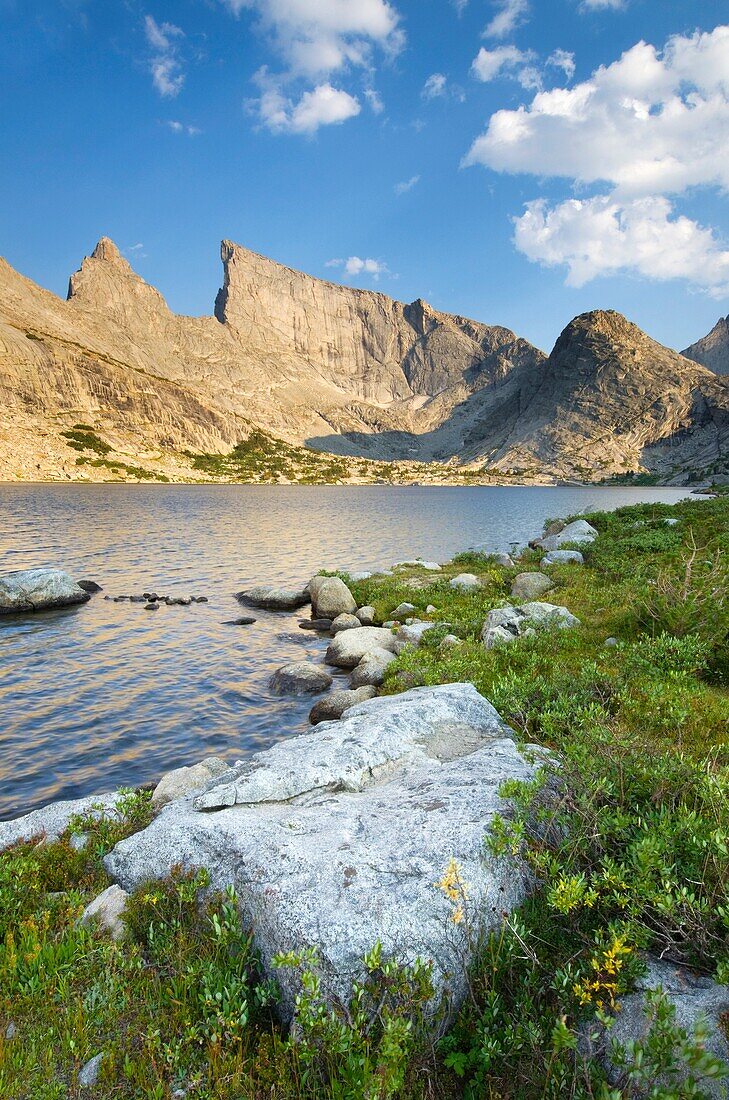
pixel 712 350
pixel 348 371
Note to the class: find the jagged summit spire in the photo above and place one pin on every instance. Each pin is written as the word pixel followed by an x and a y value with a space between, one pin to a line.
pixel 107 250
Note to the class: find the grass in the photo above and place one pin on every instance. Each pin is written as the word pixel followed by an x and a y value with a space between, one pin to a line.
pixel 632 856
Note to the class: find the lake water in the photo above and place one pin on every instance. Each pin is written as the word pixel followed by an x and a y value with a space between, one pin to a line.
pixel 107 694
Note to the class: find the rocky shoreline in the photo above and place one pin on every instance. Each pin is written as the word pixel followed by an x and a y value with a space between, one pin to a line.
pixel 333 839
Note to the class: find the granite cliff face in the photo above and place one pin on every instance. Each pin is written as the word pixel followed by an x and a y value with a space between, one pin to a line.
pixel 712 351
pixel 349 371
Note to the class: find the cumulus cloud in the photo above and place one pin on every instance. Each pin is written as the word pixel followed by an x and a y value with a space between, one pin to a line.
pixel 319 37
pixel 488 64
pixel 323 105
pixel 603 236
pixel 509 15
pixel 165 64
pixel 649 123
pixel 406 185
pixel 354 265
pixel 564 60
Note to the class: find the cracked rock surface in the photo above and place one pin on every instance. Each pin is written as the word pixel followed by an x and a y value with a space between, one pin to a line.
pixel 336 839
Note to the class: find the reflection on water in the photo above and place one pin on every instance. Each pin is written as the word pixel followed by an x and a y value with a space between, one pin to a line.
pixel 108 694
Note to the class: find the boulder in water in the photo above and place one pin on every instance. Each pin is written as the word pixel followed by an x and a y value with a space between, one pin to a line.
pixel 38 590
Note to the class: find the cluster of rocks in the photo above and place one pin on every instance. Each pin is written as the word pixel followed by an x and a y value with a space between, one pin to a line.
pixel 152 601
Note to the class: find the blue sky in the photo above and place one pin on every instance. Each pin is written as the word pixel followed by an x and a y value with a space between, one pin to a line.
pixel 518 162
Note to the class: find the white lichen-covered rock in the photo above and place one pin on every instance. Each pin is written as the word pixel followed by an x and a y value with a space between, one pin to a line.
pixel 330 597
pixel 106 910
pixel 505 624
pixel 366 615
pixel 412 634
pixel 335 839
pixel 530 586
pixel 370 672
pixel 273 598
pixel 465 582
pixel 38 590
pixel 184 781
pixel 695 999
pixel 52 820
pixel 579 531
pixel 562 557
pixel 403 611
pixel 349 646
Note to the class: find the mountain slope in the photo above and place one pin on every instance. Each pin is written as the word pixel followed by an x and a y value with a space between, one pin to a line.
pixel 712 351
pixel 348 371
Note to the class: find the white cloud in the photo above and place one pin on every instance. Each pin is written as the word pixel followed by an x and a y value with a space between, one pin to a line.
pixel 564 60
pixel 649 123
pixel 357 266
pixel 602 5
pixel 164 65
pixel 375 101
pixel 406 185
pixel 508 17
pixel 323 105
pixel 488 64
pixel 603 236
pixel 182 128
pixel 434 86
pixel 319 37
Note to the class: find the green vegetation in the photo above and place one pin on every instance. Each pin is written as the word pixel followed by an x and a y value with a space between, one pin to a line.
pixel 632 855
pixel 264 458
pixel 83 438
pixel 123 468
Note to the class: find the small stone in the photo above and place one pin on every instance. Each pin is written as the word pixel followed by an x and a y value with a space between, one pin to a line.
pixel 106 911
pixel 151 607
pixel 322 626
pixel 300 678
pixel 529 586
pixel 465 582
pixel 431 609
pixel 333 706
pixel 366 615
pixel 450 641
pixel 200 599
pixel 88 1076
pixel 136 599
pixel 79 841
pixel 370 672
pixel 402 611
pixel 345 622
pixel 89 586
pixel 610 643
pixel 411 634
pixel 11 1031
pixel 562 557
pixel 244 620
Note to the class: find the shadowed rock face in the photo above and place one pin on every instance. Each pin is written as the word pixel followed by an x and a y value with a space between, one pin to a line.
pixel 712 350
pixel 349 371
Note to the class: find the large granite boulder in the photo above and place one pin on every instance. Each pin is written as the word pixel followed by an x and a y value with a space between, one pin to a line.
pixel 52 820
pixel 530 586
pixel 336 839
pixel 38 590
pixel 273 598
pixel 694 998
pixel 579 531
pixel 505 624
pixel 349 646
pixel 330 598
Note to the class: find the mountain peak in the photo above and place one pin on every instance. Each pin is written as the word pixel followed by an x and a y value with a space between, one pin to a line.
pixel 107 250
pixel 712 351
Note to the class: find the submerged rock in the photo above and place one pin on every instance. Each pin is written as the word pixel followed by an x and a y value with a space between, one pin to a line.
pixel 323 626
pixel 333 706
pixel 244 620
pixel 336 839
pixel 300 678
pixel 271 598
pixel 38 590
pixel 505 624
pixel 90 586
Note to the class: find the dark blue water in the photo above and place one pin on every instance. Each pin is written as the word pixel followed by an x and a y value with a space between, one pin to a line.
pixel 108 694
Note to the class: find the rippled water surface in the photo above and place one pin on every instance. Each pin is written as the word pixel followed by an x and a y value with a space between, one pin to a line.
pixel 108 694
